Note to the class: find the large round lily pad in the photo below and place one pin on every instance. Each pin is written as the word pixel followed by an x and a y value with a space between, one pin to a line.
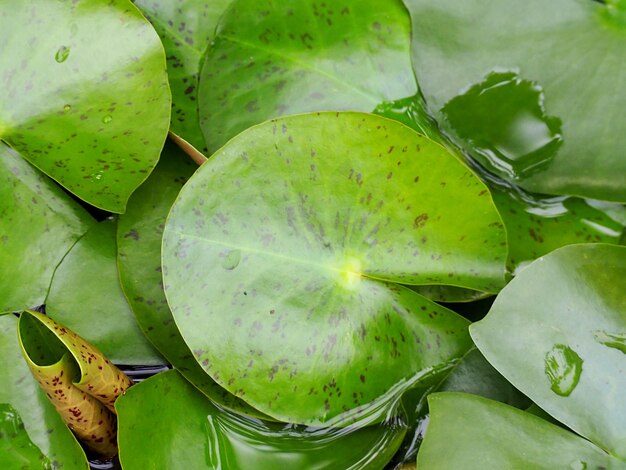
pixel 84 94
pixel 558 333
pixel 272 59
pixel 533 89
pixel 281 282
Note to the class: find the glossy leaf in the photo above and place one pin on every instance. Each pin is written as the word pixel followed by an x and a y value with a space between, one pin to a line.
pixel 552 122
pixel 568 312
pixel 86 296
pixel 39 224
pixel 536 224
pixel 185 431
pixel 16 448
pixel 41 421
pixel 84 95
pixel 472 432
pixel 186 28
pixel 272 59
pixel 139 236
pixel 296 257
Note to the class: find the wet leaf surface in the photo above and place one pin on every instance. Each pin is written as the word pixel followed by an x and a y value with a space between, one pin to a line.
pixel 39 224
pixel 16 448
pixel 21 391
pixel 550 122
pixel 139 236
pixel 555 307
pixel 471 432
pixel 186 28
pixel 85 94
pixel 272 59
pixel 192 433
pixel 86 296
pixel 296 258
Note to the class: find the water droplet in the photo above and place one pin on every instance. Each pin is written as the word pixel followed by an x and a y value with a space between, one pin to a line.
pixel 67 108
pixel 503 122
pixel 612 340
pixel 62 54
pixel 579 465
pixel 231 260
pixel 563 367
pixel 107 119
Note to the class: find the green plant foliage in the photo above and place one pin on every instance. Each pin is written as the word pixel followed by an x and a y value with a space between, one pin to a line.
pixel 474 433
pixel 42 423
pixel 568 312
pixel 139 235
pixel 84 94
pixel 549 121
pixel 184 430
pixel 16 448
pixel 272 59
pixel 38 225
pixel 538 225
pixel 296 257
pixel 86 296
pixel 186 28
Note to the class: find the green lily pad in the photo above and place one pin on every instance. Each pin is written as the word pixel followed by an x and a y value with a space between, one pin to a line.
pixel 42 423
pixel 86 296
pixel 186 28
pixel 272 59
pixel 184 430
pixel 85 95
pixel 16 448
pixel 39 224
pixel 471 432
pixel 550 121
pixel 297 255
pixel 139 236
pixel 568 314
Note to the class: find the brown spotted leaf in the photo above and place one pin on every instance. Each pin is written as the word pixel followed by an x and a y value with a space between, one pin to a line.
pixel 285 283
pixel 81 383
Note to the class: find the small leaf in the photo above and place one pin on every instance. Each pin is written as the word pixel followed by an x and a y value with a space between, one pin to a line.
pixel 186 28
pixel 541 334
pixel 81 383
pixel 84 94
pixel 16 448
pixel 36 217
pixel 86 291
pixel 474 433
